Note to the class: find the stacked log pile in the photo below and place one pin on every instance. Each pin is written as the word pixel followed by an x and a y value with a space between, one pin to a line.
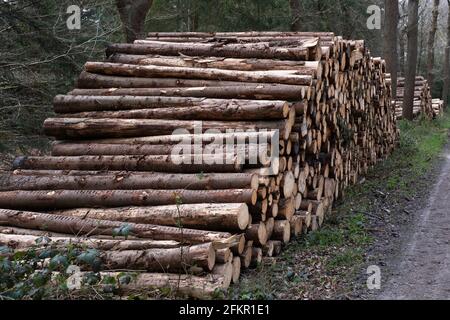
pixel 143 143
pixel 438 107
pixel 423 102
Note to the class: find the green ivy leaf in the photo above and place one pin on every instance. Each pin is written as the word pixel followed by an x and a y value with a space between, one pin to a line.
pixel 58 261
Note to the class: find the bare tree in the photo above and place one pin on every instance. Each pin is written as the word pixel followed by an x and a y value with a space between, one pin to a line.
pixel 447 61
pixel 413 17
pixel 390 41
pixel 430 45
pixel 295 13
pixel 133 13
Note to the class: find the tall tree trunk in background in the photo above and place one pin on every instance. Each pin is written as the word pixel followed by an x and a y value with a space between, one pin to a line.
pixel 132 14
pixel 431 39
pixel 390 41
pixel 447 62
pixel 296 15
pixel 402 45
pixel 411 63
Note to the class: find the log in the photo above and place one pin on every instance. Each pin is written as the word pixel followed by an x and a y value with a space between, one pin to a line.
pixel 164 163
pixel 74 104
pixel 223 255
pixel 258 92
pixel 27 241
pixel 246 257
pixel 236 269
pixel 68 128
pixel 180 285
pixel 225 272
pixel 69 199
pixel 305 67
pixel 257 34
pixel 257 233
pixel 277 246
pixel 229 112
pixel 160 260
pixel 216 217
pixel 88 80
pixel 115 180
pixel 281 231
pixel 77 226
pixel 259 50
pixel 272 76
pixel 251 154
pixel 256 257
pixel 286 208
pixel 268 248
pixel 238 138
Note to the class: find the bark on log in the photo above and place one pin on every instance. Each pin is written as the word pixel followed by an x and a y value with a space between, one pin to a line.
pixel 258 50
pixel 236 138
pixel 241 34
pixel 99 180
pixel 73 104
pixel 77 226
pixel 69 128
pixel 282 231
pixel 161 260
pixel 257 233
pixel 180 285
pixel 304 67
pixel 237 111
pixel 69 199
pixel 216 217
pixel 272 76
pixel 164 163
pixel 88 80
pixel 259 92
pixel 19 242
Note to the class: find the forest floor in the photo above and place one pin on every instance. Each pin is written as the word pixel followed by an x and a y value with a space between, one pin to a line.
pixel 396 219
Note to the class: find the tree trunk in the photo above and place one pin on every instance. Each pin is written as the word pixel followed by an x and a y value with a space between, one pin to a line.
pixel 216 217
pixel 69 199
pixel 430 46
pixel 408 104
pixel 445 91
pixel 390 41
pixel 132 14
pixel 296 15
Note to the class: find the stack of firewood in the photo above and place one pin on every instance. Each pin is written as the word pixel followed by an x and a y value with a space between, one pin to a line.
pixel 161 140
pixel 438 107
pixel 423 104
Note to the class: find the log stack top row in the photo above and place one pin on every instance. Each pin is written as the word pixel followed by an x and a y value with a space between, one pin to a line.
pixel 136 148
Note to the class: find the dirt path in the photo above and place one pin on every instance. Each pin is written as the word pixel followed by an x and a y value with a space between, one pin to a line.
pixel 422 271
